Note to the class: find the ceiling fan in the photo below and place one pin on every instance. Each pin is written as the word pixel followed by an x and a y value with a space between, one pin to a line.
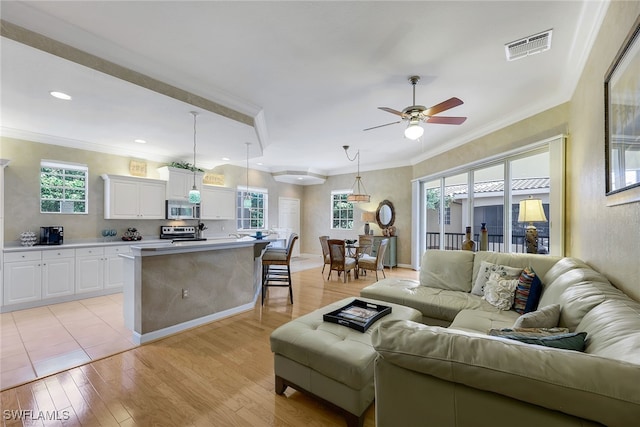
pixel 415 114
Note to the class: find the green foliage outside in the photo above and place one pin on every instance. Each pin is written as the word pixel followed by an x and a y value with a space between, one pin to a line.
pixel 63 190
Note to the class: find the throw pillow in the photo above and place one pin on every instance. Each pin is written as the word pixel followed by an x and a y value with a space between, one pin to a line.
pixel 530 332
pixel 571 341
pixel 499 292
pixel 528 291
pixel 486 268
pixel 546 317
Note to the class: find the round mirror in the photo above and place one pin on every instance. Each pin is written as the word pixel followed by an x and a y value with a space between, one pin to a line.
pixel 385 214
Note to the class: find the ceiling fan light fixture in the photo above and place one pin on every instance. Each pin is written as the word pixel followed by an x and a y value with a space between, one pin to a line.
pixel 413 131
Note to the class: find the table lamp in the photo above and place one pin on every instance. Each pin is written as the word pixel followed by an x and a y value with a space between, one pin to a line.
pixel 367 217
pixel 531 211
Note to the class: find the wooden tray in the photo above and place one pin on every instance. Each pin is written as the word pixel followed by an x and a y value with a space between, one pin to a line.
pixel 358 315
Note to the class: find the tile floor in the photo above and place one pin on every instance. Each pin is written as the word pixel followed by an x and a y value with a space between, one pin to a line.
pixel 41 341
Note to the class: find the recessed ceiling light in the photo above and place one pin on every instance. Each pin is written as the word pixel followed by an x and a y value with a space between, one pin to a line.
pixel 259 163
pixel 300 178
pixel 226 159
pixel 140 141
pixel 60 95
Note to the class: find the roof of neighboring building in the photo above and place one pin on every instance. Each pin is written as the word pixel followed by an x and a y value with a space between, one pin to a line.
pixel 495 186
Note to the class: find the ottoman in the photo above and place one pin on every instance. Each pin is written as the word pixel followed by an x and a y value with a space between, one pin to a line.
pixel 331 361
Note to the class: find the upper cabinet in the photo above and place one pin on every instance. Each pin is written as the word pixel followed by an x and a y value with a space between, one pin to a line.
pixel 127 197
pixel 217 202
pixel 179 182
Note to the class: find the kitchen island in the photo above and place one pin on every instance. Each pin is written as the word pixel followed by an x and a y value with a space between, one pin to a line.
pixel 171 287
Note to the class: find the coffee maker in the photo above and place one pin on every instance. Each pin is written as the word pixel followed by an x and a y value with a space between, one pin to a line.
pixel 53 235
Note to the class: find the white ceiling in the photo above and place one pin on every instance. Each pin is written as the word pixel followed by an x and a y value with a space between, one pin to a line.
pixel 311 74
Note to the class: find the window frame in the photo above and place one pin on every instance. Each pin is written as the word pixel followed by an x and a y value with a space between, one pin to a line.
pixel 332 207
pixel 64 168
pixel 241 210
pixel 556 148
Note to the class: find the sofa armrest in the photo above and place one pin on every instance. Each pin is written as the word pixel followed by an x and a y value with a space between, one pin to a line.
pixel 575 383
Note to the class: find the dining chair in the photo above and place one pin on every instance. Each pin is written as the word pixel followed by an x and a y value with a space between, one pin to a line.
pixel 324 242
pixel 366 242
pixel 368 262
pixel 276 268
pixel 339 261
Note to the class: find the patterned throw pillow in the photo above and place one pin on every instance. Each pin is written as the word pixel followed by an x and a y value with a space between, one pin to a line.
pixel 499 292
pixel 528 291
pixel 486 268
pixel 569 341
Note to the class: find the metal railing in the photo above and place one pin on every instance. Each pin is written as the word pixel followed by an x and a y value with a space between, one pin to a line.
pixel 453 241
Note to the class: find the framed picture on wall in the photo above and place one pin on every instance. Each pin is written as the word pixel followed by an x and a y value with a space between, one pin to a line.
pixel 622 117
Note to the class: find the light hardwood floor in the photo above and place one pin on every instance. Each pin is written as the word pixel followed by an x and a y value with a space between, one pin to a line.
pixel 219 374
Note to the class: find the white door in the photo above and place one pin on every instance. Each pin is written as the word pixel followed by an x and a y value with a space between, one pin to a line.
pixel 289 217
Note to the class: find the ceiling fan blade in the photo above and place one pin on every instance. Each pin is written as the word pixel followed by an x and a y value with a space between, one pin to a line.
pixel 376 127
pixel 446 120
pixel 443 106
pixel 392 111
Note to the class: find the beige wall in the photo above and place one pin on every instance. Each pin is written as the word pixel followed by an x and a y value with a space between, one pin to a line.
pixel 22 188
pixel 608 238
pixel 390 184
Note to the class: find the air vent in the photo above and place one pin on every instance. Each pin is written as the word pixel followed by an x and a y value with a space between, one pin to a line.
pixel 528 46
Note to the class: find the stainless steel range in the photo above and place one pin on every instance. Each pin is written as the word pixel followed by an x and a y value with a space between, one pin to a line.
pixel 179 233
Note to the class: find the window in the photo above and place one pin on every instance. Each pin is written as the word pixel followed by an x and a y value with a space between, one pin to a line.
pixel 255 217
pixel 63 188
pixel 497 187
pixel 341 211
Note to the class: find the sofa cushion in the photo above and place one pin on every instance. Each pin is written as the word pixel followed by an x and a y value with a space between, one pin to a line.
pixel 486 268
pixel 614 330
pixel 579 299
pixel 432 302
pixel 528 291
pixel 553 290
pixel 436 271
pixel 560 268
pixel 483 321
pixel 500 292
pixel 546 317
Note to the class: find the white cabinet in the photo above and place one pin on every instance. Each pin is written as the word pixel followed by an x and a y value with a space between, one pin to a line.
pixel 217 202
pixel 133 198
pixel 22 277
pixel 89 269
pixel 179 182
pixel 58 273
pixel 113 265
pixel 99 268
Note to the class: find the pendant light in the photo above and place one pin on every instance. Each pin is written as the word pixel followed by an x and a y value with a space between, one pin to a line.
pixel 358 193
pixel 247 197
pixel 194 194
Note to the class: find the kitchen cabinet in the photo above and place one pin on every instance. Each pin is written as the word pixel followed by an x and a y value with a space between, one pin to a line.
pixel 99 268
pixel 217 202
pixel 58 273
pixel 179 182
pixel 22 277
pixel 133 198
pixel 390 256
pixel 113 265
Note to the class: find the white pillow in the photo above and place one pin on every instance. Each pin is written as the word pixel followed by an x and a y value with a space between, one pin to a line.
pixel 545 317
pixel 486 268
pixel 500 292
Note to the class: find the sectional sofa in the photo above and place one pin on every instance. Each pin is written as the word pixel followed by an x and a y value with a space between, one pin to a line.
pixel 474 360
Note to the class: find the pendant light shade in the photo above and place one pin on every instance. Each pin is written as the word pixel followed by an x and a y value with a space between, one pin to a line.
pixel 194 194
pixel 247 197
pixel 358 193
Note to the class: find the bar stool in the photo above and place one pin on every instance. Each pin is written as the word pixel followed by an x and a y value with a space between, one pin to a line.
pixel 276 268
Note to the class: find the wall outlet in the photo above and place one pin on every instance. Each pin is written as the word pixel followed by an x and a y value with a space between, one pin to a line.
pixel 185 293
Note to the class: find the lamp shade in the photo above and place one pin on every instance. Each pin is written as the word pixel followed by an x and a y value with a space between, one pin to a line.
pixel 531 210
pixel 194 196
pixel 368 217
pixel 413 131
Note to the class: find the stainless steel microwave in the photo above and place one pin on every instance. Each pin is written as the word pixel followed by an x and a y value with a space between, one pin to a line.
pixel 181 209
